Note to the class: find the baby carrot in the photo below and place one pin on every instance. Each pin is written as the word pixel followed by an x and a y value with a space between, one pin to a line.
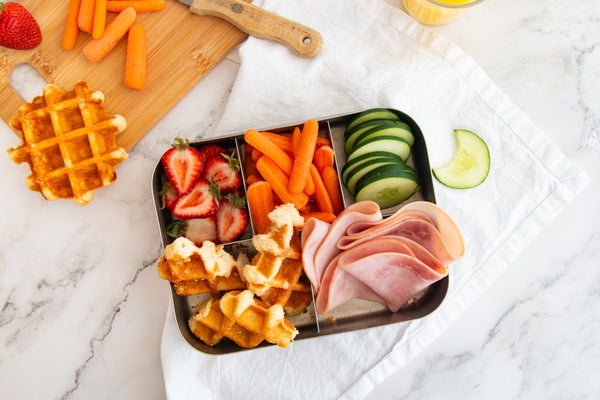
pixel 283 141
pixel 71 27
pixel 96 49
pixel 296 138
pixel 323 141
pixel 264 145
pixel 331 182
pixel 304 157
pixel 279 182
pixel 139 6
pixel 324 157
pixel 85 18
pixel 322 215
pixel 135 63
pixel 99 19
pixel 260 202
pixel 252 178
pixel 321 195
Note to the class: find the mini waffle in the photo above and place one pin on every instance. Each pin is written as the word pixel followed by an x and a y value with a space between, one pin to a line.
pixel 184 261
pixel 68 140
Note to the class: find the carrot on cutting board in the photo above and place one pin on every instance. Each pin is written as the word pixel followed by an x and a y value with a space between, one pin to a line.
pixel 331 182
pixel 321 195
pixel 99 19
pixel 85 17
pixel 96 49
pixel 139 6
pixel 279 182
pixel 71 27
pixel 304 156
pixel 135 63
pixel 324 157
pixel 260 201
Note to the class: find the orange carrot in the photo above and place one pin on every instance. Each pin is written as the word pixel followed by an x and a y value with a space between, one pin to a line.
pixel 323 141
pixel 135 63
pixel 248 148
pixel 85 18
pixel 96 49
pixel 322 215
pixel 249 165
pixel 279 182
pixel 252 178
pixel 260 202
pixel 296 138
pixel 256 154
pixel 331 182
pixel 324 157
pixel 304 157
pixel 71 27
pixel 283 141
pixel 264 145
pixel 139 6
pixel 261 143
pixel 99 19
pixel 321 195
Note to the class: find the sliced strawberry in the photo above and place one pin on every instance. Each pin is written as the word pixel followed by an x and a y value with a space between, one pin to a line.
pixel 232 218
pixel 167 194
pixel 199 203
pixel 196 229
pixel 182 165
pixel 225 170
pixel 211 150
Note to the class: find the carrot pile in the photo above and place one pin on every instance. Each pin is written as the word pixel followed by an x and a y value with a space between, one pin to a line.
pixel 294 167
pixel 90 16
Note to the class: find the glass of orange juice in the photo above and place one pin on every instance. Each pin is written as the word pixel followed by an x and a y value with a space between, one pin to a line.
pixel 437 12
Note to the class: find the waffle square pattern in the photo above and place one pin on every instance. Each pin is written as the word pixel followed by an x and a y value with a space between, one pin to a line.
pixel 68 142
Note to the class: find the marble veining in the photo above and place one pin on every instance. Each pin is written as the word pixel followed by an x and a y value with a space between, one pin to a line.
pixel 82 310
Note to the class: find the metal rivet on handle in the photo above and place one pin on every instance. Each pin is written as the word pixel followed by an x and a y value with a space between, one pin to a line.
pixel 237 8
pixel 306 41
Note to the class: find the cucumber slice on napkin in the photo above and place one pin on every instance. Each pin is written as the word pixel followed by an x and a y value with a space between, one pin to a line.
pixel 470 165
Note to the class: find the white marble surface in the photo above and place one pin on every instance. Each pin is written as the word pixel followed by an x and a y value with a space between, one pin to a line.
pixel 82 309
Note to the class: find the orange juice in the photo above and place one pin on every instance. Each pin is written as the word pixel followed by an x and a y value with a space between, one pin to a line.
pixel 437 12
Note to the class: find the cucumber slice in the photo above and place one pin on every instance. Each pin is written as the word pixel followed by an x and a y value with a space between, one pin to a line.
pixel 351 137
pixel 357 162
pixel 373 113
pixel 392 144
pixel 358 173
pixel 470 165
pixel 387 185
pixel 402 131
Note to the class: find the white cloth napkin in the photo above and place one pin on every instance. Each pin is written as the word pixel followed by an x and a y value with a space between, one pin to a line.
pixel 374 55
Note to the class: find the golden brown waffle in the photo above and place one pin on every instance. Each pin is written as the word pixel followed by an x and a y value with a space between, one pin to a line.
pixel 184 261
pixel 212 286
pixel 239 316
pixel 68 142
pixel 210 325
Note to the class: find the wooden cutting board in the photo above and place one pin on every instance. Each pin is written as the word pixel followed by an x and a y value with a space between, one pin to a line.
pixel 181 49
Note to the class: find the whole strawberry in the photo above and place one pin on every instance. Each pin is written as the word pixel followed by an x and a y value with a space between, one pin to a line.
pixel 18 29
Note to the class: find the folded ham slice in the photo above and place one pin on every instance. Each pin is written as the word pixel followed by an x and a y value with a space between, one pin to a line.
pixel 361 255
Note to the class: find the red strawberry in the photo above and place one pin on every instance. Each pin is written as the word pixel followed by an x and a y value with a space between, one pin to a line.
pixel 232 218
pixel 211 150
pixel 18 29
pixel 199 203
pixel 225 170
pixel 195 229
pixel 182 165
pixel 167 194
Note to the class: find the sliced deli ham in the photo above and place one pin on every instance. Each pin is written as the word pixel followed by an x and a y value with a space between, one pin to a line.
pixel 313 233
pixel 395 277
pixel 387 260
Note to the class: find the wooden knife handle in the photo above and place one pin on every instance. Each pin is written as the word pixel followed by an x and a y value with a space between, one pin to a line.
pixel 258 22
